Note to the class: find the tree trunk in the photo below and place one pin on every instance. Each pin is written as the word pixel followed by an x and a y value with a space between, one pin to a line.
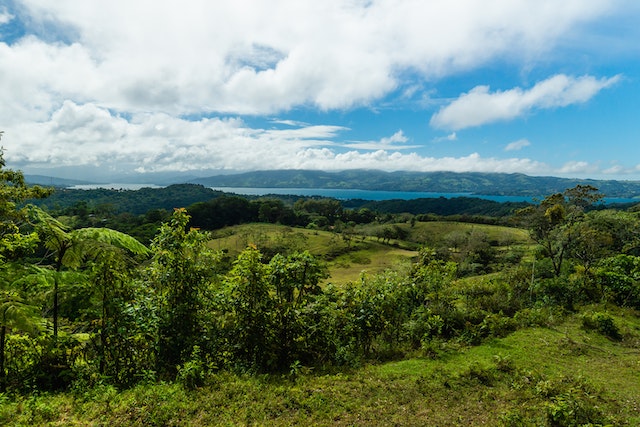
pixel 3 374
pixel 55 306
pixel 103 331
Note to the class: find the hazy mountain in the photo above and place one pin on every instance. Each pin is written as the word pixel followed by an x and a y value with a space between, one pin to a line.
pixel 445 182
pixel 439 182
pixel 50 181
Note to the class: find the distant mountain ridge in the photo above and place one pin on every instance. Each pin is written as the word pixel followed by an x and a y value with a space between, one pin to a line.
pixel 502 184
pixel 50 181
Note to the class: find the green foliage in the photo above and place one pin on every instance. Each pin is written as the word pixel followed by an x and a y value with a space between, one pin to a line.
pixel 187 316
pixel 181 273
pixel 14 241
pixel 136 202
pixel 602 323
pixel 250 318
pixel 619 280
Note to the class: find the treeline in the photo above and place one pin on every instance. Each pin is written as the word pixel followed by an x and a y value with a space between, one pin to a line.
pixel 441 206
pixel 136 202
pixel 141 201
pixel 306 212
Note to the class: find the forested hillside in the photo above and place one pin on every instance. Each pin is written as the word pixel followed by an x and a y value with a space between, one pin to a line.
pixel 301 318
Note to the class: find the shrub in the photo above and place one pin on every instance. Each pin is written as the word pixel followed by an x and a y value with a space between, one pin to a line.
pixel 602 323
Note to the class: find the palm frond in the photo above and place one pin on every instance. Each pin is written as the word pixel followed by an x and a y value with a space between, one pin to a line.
pixel 15 313
pixel 53 232
pixel 107 236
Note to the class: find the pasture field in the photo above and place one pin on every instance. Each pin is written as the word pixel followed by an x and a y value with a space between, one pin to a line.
pixel 363 253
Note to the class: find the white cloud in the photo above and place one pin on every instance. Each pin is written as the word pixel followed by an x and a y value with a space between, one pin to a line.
pixel 517 145
pixel 397 141
pixel 5 16
pixel 577 168
pixel 113 83
pixel 614 170
pixel 253 57
pixel 479 106
pixel 451 137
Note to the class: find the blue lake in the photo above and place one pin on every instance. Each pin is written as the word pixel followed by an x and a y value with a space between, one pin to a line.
pixel 375 195
pixel 347 194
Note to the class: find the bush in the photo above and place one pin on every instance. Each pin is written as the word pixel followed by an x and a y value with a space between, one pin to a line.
pixel 544 316
pixel 602 323
pixel 571 402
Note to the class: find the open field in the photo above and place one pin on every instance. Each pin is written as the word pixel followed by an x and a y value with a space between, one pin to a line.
pixel 363 253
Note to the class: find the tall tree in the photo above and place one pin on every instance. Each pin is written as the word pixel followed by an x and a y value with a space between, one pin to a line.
pixel 251 309
pixel 14 241
pixel 294 281
pixel 553 222
pixel 72 248
pixel 181 273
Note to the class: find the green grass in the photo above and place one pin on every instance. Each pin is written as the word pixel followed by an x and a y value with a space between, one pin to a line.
pixel 521 379
pixel 435 230
pixel 347 261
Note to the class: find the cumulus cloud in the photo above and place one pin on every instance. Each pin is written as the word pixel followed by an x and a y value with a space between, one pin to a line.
pixel 397 141
pixel 263 57
pixel 517 145
pixel 479 106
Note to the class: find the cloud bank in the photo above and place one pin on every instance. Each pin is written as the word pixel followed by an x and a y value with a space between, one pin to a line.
pixel 91 136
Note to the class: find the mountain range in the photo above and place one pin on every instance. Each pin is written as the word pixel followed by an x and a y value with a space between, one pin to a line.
pixel 440 182
pixel 501 184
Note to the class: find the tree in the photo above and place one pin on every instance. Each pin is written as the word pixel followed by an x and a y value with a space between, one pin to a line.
pixel 70 248
pixel 15 242
pixel 294 281
pixel 552 222
pixel 251 306
pixel 15 313
pixel 181 273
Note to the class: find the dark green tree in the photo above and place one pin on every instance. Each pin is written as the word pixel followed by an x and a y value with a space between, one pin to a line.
pixel 250 321
pixel 294 281
pixel 182 273
pixel 553 222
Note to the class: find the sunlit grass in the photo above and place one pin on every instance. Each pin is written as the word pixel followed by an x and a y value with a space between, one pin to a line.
pixel 362 254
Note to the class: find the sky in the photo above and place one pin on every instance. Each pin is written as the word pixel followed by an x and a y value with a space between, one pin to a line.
pixel 103 89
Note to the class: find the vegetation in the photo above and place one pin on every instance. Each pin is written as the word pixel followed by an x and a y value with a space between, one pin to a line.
pixel 258 311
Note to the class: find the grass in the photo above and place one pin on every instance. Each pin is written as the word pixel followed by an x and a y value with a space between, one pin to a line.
pixel 535 376
pixel 348 260
pixel 431 232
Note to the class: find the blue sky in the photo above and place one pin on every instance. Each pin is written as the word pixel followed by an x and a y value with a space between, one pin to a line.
pixel 96 90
